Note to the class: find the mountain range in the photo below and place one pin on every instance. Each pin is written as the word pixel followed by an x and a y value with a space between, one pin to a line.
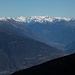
pixel 54 31
pixel 20 48
pixel 25 42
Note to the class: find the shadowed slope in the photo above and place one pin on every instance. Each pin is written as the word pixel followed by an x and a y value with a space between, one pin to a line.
pixel 61 66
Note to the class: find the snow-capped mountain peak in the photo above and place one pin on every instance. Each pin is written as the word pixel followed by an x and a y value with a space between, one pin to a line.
pixel 20 19
pixel 4 18
pixel 60 18
pixel 40 19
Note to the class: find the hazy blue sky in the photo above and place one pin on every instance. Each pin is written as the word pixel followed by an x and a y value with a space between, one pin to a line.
pixel 14 8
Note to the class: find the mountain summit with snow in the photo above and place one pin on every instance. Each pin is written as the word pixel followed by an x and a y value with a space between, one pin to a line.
pixel 40 19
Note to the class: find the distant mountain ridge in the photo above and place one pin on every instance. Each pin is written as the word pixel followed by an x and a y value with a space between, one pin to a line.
pixel 40 19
